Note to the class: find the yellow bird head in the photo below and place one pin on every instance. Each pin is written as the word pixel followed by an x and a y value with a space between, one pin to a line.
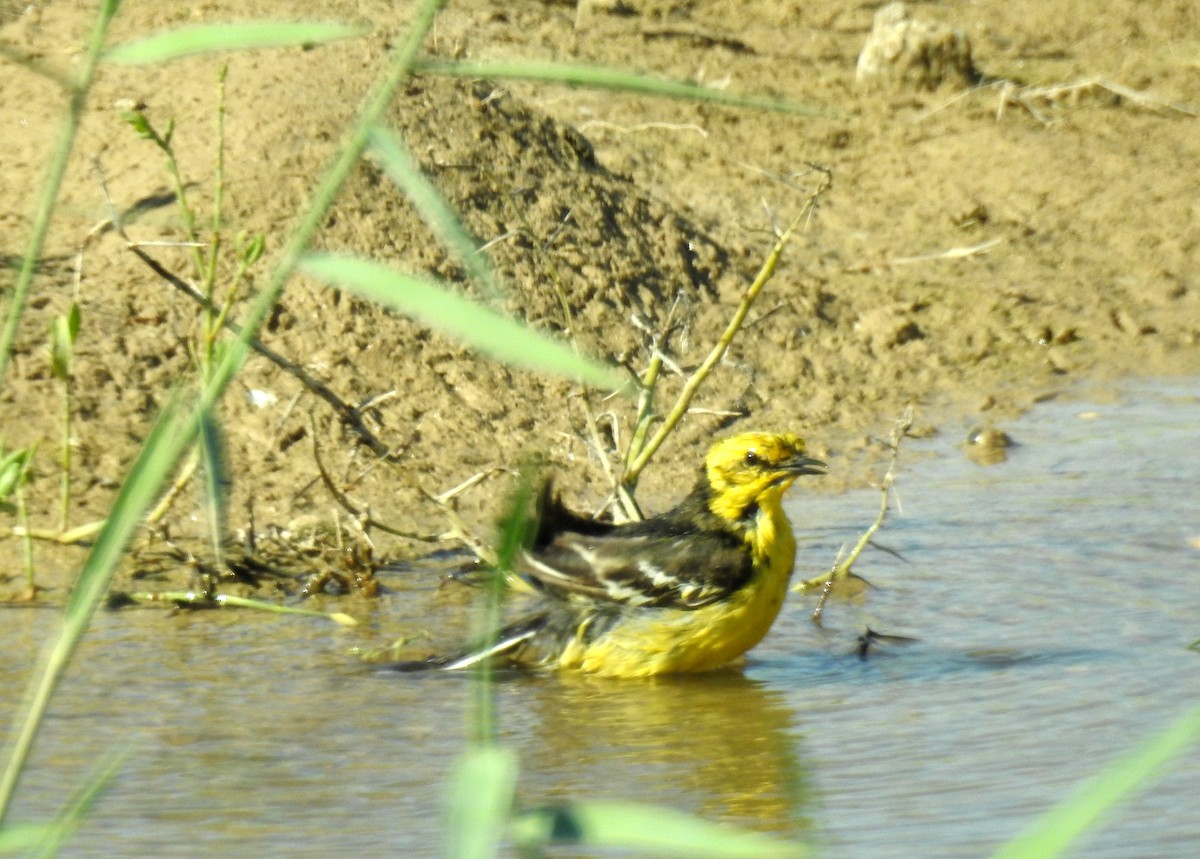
pixel 741 469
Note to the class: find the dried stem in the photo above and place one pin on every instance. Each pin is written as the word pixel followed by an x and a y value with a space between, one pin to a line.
pixel 639 458
pixel 362 515
pixel 844 565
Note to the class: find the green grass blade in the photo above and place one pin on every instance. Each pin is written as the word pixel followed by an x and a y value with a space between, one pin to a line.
pixel 471 324
pixel 597 77
pixel 23 838
pixel 172 434
pixel 1079 813
pixel 81 803
pixel 170 437
pixel 515 529
pixel 212 38
pixel 396 161
pixel 167 440
pixel 481 797
pixel 216 481
pixel 649 830
pixel 50 188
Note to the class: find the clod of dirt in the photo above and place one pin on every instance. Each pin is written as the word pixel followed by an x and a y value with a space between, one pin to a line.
pixel 905 53
pixel 887 327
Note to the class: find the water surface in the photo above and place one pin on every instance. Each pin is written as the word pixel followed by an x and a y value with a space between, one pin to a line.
pixel 1053 597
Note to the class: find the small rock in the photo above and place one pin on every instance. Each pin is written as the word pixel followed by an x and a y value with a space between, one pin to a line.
pixel 904 53
pixel 988 445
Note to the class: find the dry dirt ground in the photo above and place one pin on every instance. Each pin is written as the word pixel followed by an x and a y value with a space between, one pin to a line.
pixel 981 247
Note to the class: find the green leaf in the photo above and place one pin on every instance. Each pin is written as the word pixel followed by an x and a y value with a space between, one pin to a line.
pixel 9 472
pixel 252 251
pixel 14 469
pixel 64 330
pixel 140 123
pixel 650 830
pixel 598 77
pixel 405 172
pixel 481 798
pixel 210 38
pixel 472 324
pixel 74 320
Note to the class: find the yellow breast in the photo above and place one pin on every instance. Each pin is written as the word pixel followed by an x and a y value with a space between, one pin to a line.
pixel 660 641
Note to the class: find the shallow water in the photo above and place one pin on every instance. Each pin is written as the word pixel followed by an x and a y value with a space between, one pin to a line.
pixel 1053 597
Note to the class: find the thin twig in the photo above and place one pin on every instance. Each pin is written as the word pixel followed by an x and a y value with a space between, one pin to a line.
pixel 642 126
pixel 459 531
pixel 638 463
pixel 361 514
pixel 349 415
pixel 843 567
pixel 181 480
pixel 827 588
pixel 470 483
pixel 950 253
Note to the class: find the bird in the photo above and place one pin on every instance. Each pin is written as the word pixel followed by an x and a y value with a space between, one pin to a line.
pixel 688 590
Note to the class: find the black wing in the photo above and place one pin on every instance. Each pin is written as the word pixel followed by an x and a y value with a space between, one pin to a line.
pixel 629 566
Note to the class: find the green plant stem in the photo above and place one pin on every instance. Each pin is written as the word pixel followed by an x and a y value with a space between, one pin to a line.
pixel 645 410
pixel 27 540
pixel 514 535
pixel 214 317
pixel 217 600
pixel 185 209
pixel 222 309
pixel 640 459
pixel 52 185
pixel 637 442
pixel 64 460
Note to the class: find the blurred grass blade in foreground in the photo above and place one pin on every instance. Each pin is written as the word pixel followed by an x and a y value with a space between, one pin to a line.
pixel 1080 813
pixel 481 797
pixel 212 38
pixel 63 827
pixel 399 164
pixel 572 74
pixel 470 323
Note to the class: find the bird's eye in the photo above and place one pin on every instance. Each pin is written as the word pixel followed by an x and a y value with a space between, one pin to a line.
pixel 751 458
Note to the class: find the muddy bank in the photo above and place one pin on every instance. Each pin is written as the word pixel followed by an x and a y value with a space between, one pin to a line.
pixel 978 250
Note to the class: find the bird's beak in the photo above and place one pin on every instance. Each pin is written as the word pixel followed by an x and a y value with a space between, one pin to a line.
pixel 805 465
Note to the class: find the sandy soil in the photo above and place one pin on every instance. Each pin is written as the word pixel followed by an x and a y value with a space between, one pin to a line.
pixel 980 249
